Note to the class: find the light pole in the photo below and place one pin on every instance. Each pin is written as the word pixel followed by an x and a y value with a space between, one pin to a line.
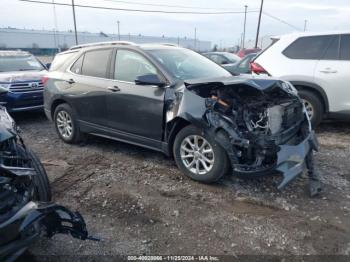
pixel 195 38
pixel 245 21
pixel 75 24
pixel 258 29
pixel 118 30
pixel 305 24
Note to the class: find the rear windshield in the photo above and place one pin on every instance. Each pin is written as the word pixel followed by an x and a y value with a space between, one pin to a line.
pixel 19 63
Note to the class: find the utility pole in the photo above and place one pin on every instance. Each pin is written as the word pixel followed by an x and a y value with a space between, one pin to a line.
pixel 118 30
pixel 195 38
pixel 75 24
pixel 305 24
pixel 245 21
pixel 258 30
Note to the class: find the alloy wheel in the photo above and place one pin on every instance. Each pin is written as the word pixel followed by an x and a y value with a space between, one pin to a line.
pixel 197 154
pixel 64 124
pixel 309 108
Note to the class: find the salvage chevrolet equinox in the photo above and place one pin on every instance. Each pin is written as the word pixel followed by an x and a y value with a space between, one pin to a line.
pixel 176 101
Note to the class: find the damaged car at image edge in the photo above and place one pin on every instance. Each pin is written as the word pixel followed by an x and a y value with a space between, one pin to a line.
pixel 26 210
pixel 181 103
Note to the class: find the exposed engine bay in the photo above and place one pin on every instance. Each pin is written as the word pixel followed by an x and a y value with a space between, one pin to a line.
pixel 260 123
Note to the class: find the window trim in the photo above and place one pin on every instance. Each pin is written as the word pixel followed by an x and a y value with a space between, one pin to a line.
pixel 114 57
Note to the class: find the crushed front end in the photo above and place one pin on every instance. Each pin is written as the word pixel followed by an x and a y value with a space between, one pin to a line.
pixel 263 126
pixel 25 210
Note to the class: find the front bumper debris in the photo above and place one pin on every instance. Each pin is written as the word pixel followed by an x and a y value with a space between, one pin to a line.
pixel 37 217
pixel 292 159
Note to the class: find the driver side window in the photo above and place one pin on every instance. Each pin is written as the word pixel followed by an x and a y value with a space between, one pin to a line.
pixel 129 65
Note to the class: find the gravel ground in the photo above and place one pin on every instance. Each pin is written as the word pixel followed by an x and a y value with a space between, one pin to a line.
pixel 138 202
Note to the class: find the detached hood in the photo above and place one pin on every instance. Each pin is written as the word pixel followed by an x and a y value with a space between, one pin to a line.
pixel 21 76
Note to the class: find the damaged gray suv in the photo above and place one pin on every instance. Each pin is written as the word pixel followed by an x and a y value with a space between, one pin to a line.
pixel 176 101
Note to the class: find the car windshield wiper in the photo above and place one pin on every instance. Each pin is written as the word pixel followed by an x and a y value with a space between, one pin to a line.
pixel 27 69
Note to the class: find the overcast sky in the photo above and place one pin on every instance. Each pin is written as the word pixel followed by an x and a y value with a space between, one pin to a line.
pixel 321 15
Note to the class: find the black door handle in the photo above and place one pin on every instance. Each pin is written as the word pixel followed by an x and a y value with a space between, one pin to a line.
pixel 70 81
pixel 113 88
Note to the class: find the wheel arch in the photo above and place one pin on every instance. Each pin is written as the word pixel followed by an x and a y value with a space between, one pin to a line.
pixel 55 104
pixel 318 90
pixel 173 128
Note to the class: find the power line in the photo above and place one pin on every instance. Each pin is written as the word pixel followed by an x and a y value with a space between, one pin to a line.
pixel 139 10
pixel 162 5
pixel 282 21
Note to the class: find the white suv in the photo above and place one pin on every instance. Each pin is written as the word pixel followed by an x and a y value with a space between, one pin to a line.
pixel 318 65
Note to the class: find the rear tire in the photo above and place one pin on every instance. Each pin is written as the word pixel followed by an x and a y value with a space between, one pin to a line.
pixel 207 153
pixel 66 124
pixel 313 105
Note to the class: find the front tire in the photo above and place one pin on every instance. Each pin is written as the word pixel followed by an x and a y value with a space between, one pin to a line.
pixel 199 156
pixel 66 124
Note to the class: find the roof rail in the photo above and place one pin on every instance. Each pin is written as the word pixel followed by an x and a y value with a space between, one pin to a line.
pixel 169 44
pixel 157 43
pixel 102 43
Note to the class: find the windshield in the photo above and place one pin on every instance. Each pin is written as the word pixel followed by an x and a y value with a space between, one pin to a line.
pixel 184 64
pixel 19 63
pixel 232 57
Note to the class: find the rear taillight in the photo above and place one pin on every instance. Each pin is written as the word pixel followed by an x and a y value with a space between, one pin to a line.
pixel 44 79
pixel 257 69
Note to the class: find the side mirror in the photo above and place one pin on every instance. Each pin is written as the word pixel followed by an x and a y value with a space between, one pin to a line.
pixel 150 79
pixel 3 90
pixel 48 65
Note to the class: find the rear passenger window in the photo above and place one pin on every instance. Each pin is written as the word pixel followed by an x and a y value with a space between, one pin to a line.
pixel 311 47
pixel 76 68
pixel 345 47
pixel 96 63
